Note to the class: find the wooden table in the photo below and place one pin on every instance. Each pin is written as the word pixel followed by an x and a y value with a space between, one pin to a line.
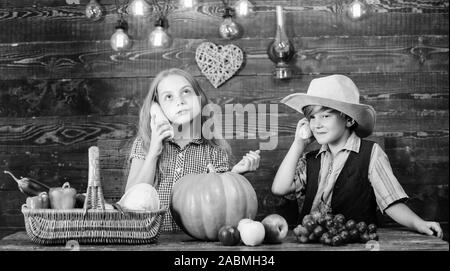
pixel 393 239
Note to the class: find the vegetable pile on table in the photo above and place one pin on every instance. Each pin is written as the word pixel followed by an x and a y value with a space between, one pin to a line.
pixel 333 230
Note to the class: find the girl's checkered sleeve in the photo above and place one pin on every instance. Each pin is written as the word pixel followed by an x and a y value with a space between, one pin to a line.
pixel 137 150
pixel 220 160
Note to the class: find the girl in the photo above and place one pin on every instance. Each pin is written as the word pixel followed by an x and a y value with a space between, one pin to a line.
pixel 348 175
pixel 165 151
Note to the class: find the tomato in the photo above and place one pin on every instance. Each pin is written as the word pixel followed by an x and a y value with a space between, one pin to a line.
pixel 372 228
pixel 329 224
pixel 339 219
pixel 361 226
pixel 312 237
pixel 300 230
pixel 309 225
pixel 365 237
pixel 373 236
pixel 336 240
pixel 306 218
pixel 332 231
pixel 345 235
pixel 303 239
pixel 229 236
pixel 329 217
pixel 350 225
pixel 318 231
pixel 316 215
pixel 354 235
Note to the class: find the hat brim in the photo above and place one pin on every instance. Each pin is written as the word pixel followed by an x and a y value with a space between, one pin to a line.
pixel 363 114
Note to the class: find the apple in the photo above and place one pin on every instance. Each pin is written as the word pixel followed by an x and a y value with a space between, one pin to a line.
pixel 252 233
pixel 243 221
pixel 276 228
pixel 229 236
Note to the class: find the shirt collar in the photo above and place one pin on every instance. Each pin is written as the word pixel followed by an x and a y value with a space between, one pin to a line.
pixel 353 143
pixel 197 141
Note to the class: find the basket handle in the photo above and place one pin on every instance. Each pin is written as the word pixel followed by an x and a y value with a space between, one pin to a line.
pixel 94 195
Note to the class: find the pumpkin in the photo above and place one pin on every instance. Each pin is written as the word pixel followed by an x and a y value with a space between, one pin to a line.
pixel 202 203
pixel 140 197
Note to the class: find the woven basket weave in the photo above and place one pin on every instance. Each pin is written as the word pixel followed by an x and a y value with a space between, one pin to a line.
pixel 92 224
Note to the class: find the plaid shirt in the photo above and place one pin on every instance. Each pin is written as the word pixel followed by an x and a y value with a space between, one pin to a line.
pixel 385 185
pixel 175 163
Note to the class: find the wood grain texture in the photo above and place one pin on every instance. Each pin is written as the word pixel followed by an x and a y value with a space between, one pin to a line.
pixel 390 239
pixel 316 55
pixel 56 22
pixel 427 93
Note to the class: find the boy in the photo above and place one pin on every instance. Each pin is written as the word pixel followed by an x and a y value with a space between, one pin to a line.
pixel 350 175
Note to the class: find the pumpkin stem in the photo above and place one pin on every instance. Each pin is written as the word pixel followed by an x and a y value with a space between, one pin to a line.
pixel 211 168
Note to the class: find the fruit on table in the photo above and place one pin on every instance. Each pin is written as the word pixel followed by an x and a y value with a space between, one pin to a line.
pixel 229 236
pixel 40 201
pixel 333 230
pixel 202 203
pixel 29 186
pixel 62 197
pixel 140 197
pixel 252 233
pixel 243 221
pixel 276 228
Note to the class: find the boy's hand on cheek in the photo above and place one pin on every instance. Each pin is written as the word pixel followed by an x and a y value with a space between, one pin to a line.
pixel 249 162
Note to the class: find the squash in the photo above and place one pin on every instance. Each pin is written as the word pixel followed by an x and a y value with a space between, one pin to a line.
pixel 202 203
pixel 140 197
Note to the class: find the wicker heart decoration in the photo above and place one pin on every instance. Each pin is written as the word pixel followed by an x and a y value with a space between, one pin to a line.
pixel 218 63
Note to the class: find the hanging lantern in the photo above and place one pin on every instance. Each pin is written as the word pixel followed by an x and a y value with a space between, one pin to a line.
pixel 159 38
pixel 229 29
pixel 120 41
pixel 357 10
pixel 94 11
pixel 139 8
pixel 281 51
pixel 244 8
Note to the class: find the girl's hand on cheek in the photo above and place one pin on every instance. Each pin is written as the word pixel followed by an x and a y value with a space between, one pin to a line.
pixel 160 131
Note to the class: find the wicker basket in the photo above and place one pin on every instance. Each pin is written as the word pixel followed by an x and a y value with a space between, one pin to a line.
pixel 92 224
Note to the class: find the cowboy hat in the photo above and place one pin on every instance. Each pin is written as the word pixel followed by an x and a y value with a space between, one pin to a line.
pixel 337 92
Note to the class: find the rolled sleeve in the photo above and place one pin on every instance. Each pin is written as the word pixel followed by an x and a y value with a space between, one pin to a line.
pixel 137 150
pixel 299 180
pixel 386 186
pixel 220 160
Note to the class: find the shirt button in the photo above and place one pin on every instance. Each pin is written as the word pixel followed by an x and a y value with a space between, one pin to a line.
pixel 178 170
pixel 180 155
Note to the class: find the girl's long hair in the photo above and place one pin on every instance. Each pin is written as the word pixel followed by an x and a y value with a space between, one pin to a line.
pixel 144 130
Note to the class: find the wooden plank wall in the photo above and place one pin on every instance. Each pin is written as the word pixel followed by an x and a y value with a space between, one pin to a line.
pixel 62 87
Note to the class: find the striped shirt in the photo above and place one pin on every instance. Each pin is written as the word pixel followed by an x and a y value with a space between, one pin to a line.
pixel 175 162
pixel 386 187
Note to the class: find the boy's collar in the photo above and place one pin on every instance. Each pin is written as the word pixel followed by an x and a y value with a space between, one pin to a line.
pixel 353 143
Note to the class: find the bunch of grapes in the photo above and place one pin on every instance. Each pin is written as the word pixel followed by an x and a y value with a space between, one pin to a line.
pixel 333 230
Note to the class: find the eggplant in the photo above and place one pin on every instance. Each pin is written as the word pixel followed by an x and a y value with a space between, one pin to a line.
pixel 29 186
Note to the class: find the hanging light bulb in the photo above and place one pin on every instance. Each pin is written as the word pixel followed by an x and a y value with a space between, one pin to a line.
pixel 94 11
pixel 120 41
pixel 228 28
pixel 244 8
pixel 356 10
pixel 188 3
pixel 138 8
pixel 159 38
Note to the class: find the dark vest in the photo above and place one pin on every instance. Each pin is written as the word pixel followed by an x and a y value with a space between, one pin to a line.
pixel 353 195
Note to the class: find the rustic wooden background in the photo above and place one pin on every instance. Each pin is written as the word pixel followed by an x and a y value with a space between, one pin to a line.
pixel 62 88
